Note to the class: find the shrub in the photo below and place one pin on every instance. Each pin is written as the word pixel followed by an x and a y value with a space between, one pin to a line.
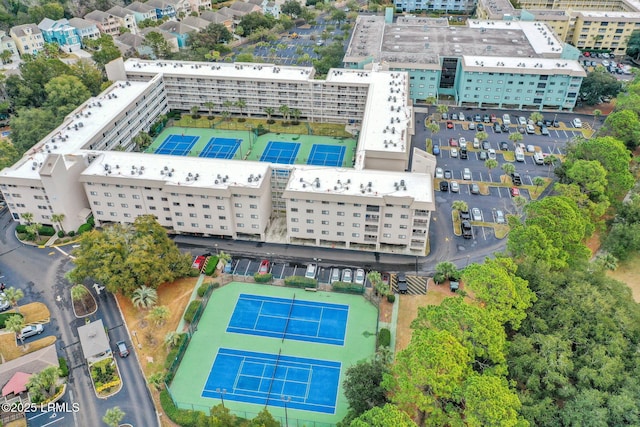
pixel 72 233
pixel 5 316
pixel 64 368
pixel 193 272
pixel 391 298
pixel 300 282
pixel 182 417
pixel 215 285
pixel 172 356
pixel 262 277
pixel 203 289
pixel 91 221
pixel 211 265
pixel 347 288
pixel 45 230
pixel 191 310
pixel 21 228
pixel 384 337
pixel 84 228
pixel 60 233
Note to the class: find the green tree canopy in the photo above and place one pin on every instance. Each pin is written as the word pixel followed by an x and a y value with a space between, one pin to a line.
pixel 89 75
pixel 126 257
pixel 30 125
pixel 633 45
pixel 255 20
pixel 597 84
pixel 291 8
pixel 210 37
pixel 8 153
pixel 363 386
pixel 64 94
pixel 388 415
pixel 625 126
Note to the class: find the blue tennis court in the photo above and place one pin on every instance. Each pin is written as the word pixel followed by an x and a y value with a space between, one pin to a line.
pixel 326 155
pixel 280 152
pixel 265 379
pixel 177 145
pixel 221 148
pixel 288 318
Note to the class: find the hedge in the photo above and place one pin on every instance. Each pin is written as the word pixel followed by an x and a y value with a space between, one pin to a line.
pixel 391 298
pixel 173 354
pixel 60 233
pixel 182 417
pixel 203 289
pixel 5 316
pixel 64 368
pixel 262 277
pixel 300 282
pixel 44 230
pixel 384 338
pixel 347 288
pixel 211 265
pixel 84 228
pixel 191 310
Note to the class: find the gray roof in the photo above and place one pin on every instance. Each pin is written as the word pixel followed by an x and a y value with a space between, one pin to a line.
pixel 81 23
pixel 136 6
pixel 255 2
pixel 19 29
pixel 242 7
pixel 29 363
pixel 120 11
pixel 176 27
pixel 160 4
pixel 129 39
pixel 46 24
pixel 93 339
pixel 97 15
pixel 167 35
pixel 195 22
pixel 215 17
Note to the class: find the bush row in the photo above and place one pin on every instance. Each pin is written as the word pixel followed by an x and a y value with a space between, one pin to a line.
pixel 262 277
pixel 174 353
pixel 347 288
pixel 384 337
pixel 64 368
pixel 182 417
pixel 211 265
pixel 43 230
pixel 203 289
pixel 191 310
pixel 300 282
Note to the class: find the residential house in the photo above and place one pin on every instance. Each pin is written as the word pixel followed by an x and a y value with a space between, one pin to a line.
pixel 183 7
pixel 196 22
pixel 94 341
pixel 15 373
pixel 163 8
pixel 170 38
pixel 85 29
pixel 200 5
pixel 222 16
pixel 28 38
pixel 179 30
pixel 106 22
pixel 271 7
pixel 133 45
pixel 61 33
pixel 126 17
pixel 142 11
pixel 240 9
pixel 7 43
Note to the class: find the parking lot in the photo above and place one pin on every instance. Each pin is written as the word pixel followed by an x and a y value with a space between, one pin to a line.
pixel 494 186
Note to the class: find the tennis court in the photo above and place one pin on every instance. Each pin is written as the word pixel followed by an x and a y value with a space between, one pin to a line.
pixel 290 318
pixel 326 155
pixel 280 152
pixel 221 148
pixel 177 145
pixel 262 378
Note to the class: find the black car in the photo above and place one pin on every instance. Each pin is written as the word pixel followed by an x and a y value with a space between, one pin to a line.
pixel 466 230
pixel 516 178
pixel 504 145
pixel 444 185
pixel 480 127
pixel 465 216
pixel 504 128
pixel 402 283
pixel 463 154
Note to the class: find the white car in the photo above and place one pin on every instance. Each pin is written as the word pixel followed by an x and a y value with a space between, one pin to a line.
pixel 492 153
pixel 454 187
pixel 466 174
pixel 359 279
pixel 347 275
pixel 476 214
pixel 31 330
pixel 454 152
pixel 605 63
pixel 522 121
pixel 531 129
pixel 439 173
pixel 577 123
pixel 4 303
pixel 463 143
pixel 531 149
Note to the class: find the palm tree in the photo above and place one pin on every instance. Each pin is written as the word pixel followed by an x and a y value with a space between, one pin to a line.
pixel 58 218
pixel 156 380
pixel 144 297
pixel 296 115
pixel 515 137
pixel 13 295
pixel 210 106
pixel 538 181
pixel 113 416
pixel 442 108
pixel 596 115
pixel 269 111
pixel 15 324
pixel 32 230
pixel 159 315
pixel 431 100
pixel 508 168
pixel 142 141
pixel 223 256
pixel 482 135
pixel 227 108
pixel 44 382
pixel 78 293
pixel 491 164
pixel 550 160
pixel 171 339
pixel 28 217
pixel 536 117
pixel 285 110
pixel 519 202
pixel 446 270
pixel 241 104
pixel 194 111
pixel 460 205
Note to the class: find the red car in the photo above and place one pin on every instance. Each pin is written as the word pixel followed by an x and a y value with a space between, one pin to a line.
pixel 264 267
pixel 493 118
pixel 449 124
pixel 453 142
pixel 515 191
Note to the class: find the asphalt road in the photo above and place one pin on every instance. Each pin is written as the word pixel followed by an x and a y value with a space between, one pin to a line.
pixel 40 274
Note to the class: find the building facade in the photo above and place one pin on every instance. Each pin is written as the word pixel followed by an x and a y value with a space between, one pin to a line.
pixel 430 6
pixel 61 33
pixel 106 22
pixel 28 38
pixel 85 29
pixel 375 206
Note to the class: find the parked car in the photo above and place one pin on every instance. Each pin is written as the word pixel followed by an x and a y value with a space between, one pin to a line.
pixel 480 127
pixel 448 174
pixel 476 214
pixel 445 116
pixel 493 118
pixel 504 145
pixel 454 152
pixel 360 276
pixel 402 283
pixel 464 155
pixel 467 231
pixel 476 143
pixel 486 119
pixel 499 215
pixel 466 174
pixel 264 267
pixel 497 128
pixel 483 155
pixel 439 173
pixel 436 149
pixel 465 215
pixel 477 118
pixel 335 275
pixel 577 123
pixel 522 121
pixel 311 271
pixel 30 331
pixel 531 148
pixel 472 126
pixel 521 129
pixel 516 178
pixel 506 119
pixel 475 188
pixel 454 116
pixel 544 130
pixel 228 267
pixel 4 303
pixel 123 351
pixel 504 128
pixel 515 191
pixel 463 142
pixel 444 185
pixel 531 129
pixel 492 153
pixel 347 275
pixel 453 142
pixel 449 124
pixel 454 187
pixel 486 145
pixel 556 124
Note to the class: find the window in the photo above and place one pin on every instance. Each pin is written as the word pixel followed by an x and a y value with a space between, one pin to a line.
pixel 107 194
pixel 192 215
pixel 356 214
pixel 309 230
pixel 122 195
pixel 205 206
pixel 176 203
pixel 254 226
pixel 100 212
pixel 207 216
pixel 124 205
pixel 355 234
pixel 194 224
pixel 253 206
pixel 149 197
pixel 136 196
pixel 402 236
pixel 191 205
pixel 340 224
pixel 388 215
pixel 93 193
pixel 220 208
pixel 238 205
pixel 254 216
pixel 180 223
pixel 386 235
pixel 239 215
pixel 325 232
pixel 240 225
pixel 340 233
pixel 325 222
pixel 309 211
pixel 221 218
pixel 325 212
pixel 178 214
pixel 113 214
pixel 294 219
pixel 96 203
pixel 295 230
pixel 404 216
pixel 340 213
pixel 388 226
pixel 309 221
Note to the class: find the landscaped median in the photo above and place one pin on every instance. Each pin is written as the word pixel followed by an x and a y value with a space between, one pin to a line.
pixel 455 217
pixel 105 377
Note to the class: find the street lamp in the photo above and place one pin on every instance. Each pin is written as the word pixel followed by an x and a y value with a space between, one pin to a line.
pixel 216 246
pixel 286 399
pixel 221 392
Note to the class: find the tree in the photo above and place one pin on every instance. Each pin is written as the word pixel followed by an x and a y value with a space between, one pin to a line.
pixel 58 219
pixel 113 416
pixel 119 257
pixel 633 45
pixel 269 111
pixel 171 339
pixel 209 37
pixel 156 380
pixel 210 106
pixel 89 75
pixel 256 20
pixel 79 293
pixel 442 108
pixel 5 56
pixel 159 315
pixel 482 136
pixel 105 50
pixel 8 153
pixel 550 160
pixel 296 113
pixel 590 176
pixel 158 44
pixel 291 8
pixel 42 385
pixel 241 104
pixel 13 296
pixel 30 125
pixel 606 262
pixel 625 126
pixel 142 141
pixel 597 84
pixel 460 205
pixel 508 168
pixel 490 164
pixel 363 386
pixel 490 401
pixel 64 94
pixel 338 15
pixel 33 231
pixel 264 419
pixel 536 117
pixel 388 415
pixel 144 297
pixel 378 284
pixel 431 100
pixel 538 181
pixel 596 115
pixel 15 324
pixel 433 128
pixel 285 111
pixel 194 111
pixel 28 217
pixel 515 137
pixel 330 56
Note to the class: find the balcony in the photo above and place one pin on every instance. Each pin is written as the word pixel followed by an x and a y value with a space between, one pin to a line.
pixel 371 208
pixel 371 228
pixel 372 218
pixel 421 213
pixel 421 224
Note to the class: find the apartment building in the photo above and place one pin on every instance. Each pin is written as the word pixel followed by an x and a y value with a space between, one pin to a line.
pixel 388 208
pixel 500 64
pixel 466 6
pixel 603 25
pixel 28 38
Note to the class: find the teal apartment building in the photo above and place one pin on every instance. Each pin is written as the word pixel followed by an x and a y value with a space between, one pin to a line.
pixel 494 64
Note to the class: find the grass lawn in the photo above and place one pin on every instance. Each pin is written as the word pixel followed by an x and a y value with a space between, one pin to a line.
pixel 629 272
pixel 35 312
pixel 10 349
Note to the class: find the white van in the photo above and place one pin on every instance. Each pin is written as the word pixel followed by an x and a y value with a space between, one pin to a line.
pixel 519 155
pixel 476 143
pixel 506 119
pixel 538 158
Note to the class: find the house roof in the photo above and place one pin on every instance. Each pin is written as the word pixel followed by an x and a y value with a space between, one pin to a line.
pixel 177 27
pixel 98 16
pixel 17 384
pixel 29 363
pixel 120 11
pixel 93 339
pixel 81 23
pixel 255 2
pixel 215 17
pixel 130 39
pixel 195 22
pixel 243 8
pixel 46 24
pixel 19 30
pixel 160 4
pixel 167 35
pixel 136 6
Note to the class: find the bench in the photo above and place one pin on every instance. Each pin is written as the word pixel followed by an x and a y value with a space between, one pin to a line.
pixel 311 289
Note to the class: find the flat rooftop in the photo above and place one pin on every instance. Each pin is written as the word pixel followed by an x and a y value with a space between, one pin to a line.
pixel 369 183
pixel 225 70
pixel 522 65
pixel 424 40
pixel 78 128
pixel 177 170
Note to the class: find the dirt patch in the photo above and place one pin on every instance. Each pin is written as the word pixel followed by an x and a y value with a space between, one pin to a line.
pixel 409 305
pixel 628 272
pixel 10 349
pixel 84 306
pixel 148 340
pixel 386 310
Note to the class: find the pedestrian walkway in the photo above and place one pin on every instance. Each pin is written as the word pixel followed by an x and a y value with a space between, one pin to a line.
pixel 182 325
pixel 51 241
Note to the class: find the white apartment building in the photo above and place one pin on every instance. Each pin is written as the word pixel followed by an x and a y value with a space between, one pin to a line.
pixel 76 172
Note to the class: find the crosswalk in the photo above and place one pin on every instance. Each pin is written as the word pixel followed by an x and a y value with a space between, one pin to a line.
pixel 416 285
